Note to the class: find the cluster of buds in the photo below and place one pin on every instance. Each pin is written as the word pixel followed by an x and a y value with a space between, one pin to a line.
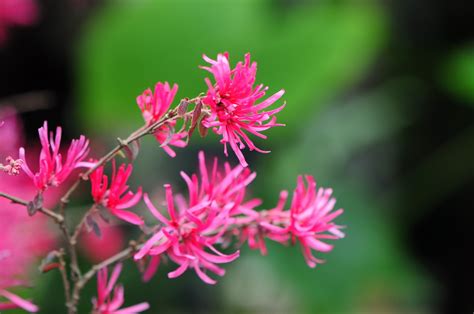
pixel 12 166
pixel 199 232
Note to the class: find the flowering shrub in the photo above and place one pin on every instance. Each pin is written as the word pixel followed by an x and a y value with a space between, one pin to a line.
pixel 191 231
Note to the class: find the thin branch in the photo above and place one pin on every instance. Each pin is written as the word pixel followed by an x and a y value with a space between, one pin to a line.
pixel 78 229
pixel 66 284
pixel 56 217
pixel 94 269
pixel 136 135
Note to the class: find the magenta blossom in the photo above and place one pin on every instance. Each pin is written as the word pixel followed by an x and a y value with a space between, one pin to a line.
pixel 185 237
pixel 16 12
pixel 112 197
pixel 189 236
pixel 233 104
pixel 154 105
pixel 111 297
pixel 53 169
pixel 309 220
pixel 22 240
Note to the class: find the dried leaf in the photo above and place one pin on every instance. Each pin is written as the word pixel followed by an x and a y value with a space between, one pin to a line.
pixel 35 205
pixel 183 107
pixel 104 213
pixel 202 129
pixel 131 150
pixel 196 116
pixel 93 225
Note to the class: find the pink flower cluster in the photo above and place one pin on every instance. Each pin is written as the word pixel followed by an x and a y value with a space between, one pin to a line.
pixel 216 209
pixel 233 104
pixel 308 221
pixel 193 232
pixel 111 297
pixel 53 169
pixel 188 237
pixel 154 105
pixel 116 197
pixel 16 12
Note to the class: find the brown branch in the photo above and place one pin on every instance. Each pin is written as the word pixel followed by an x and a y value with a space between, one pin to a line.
pixel 66 284
pixel 94 269
pixel 56 217
pixel 136 135
pixel 78 229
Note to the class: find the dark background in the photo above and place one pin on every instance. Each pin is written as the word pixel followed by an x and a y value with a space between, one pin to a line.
pixel 380 106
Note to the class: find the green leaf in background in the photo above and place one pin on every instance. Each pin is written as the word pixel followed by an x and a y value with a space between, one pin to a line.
pixel 311 50
pixel 457 74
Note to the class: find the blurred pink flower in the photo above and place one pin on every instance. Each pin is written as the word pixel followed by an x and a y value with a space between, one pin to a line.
pixel 154 105
pixel 108 303
pixel 97 249
pixel 14 301
pixel 200 223
pixel 53 170
pixel 23 239
pixel 112 197
pixel 232 101
pixel 16 12
pixel 11 131
pixel 309 220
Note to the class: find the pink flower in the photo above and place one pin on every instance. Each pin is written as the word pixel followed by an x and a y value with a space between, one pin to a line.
pixel 185 237
pixel 111 241
pixel 225 187
pixel 154 106
pixel 16 12
pixel 108 303
pixel 22 240
pixel 309 220
pixel 188 237
pixel 14 301
pixel 232 101
pixel 113 197
pixel 53 170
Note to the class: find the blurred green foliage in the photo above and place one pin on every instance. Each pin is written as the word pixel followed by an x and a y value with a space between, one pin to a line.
pixel 313 51
pixel 457 73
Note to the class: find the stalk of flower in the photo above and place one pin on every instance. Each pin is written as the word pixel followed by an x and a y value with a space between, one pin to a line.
pixel 116 197
pixel 110 297
pixel 232 102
